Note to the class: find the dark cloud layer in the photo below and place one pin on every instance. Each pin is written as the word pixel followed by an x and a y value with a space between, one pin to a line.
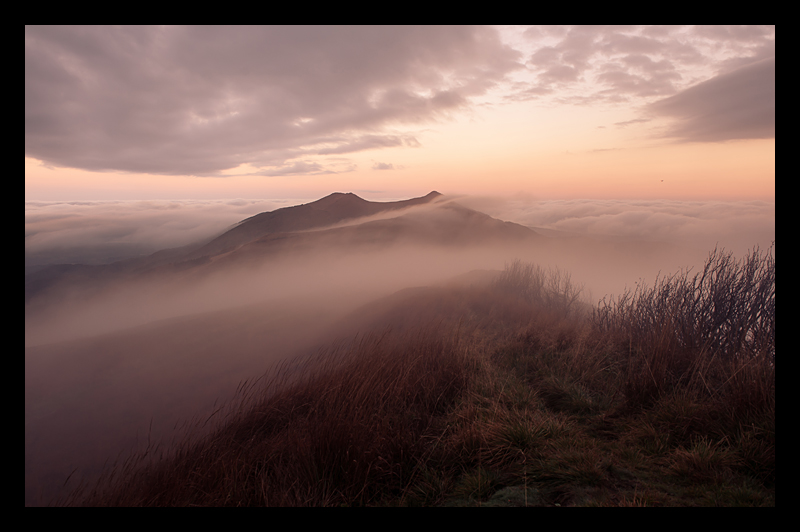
pixel 735 105
pixel 293 100
pixel 200 100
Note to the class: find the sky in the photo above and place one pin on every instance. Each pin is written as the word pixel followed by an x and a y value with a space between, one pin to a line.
pixel 584 124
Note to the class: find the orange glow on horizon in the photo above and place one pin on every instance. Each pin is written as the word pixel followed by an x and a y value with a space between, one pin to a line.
pixel 734 170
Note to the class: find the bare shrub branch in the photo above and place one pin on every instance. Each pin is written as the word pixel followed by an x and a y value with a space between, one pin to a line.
pixel 551 289
pixel 727 309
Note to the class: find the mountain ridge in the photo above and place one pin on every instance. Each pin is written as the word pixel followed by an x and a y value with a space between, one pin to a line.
pixel 301 229
pixel 329 210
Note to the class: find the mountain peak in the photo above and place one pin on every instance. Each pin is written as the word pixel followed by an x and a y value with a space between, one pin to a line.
pixel 336 197
pixel 331 209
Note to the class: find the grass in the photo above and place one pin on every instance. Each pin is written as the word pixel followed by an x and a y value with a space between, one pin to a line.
pixel 522 396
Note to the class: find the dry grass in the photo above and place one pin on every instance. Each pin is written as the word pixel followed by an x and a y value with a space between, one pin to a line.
pixel 714 330
pixel 349 427
pixel 662 397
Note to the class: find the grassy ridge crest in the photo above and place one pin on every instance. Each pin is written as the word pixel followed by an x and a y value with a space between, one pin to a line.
pixel 523 395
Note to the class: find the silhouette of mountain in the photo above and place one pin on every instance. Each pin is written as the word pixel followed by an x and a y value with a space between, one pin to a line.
pixel 445 225
pixel 332 209
pixel 307 227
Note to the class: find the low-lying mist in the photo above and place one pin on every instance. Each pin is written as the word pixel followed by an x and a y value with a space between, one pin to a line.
pixel 337 279
pixel 132 353
pixel 100 232
pixel 339 274
pixel 700 224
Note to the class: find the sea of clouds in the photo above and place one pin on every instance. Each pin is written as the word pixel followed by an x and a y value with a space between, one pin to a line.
pixel 103 231
pixel 737 226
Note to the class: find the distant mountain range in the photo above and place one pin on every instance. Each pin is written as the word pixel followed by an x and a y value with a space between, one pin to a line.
pixel 340 220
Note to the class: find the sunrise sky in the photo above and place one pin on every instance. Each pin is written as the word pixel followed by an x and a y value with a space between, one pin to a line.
pixel 624 112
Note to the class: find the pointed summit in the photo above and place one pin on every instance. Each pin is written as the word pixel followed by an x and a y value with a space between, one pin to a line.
pixel 331 209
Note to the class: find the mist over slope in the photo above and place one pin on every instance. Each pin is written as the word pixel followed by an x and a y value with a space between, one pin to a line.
pixel 330 210
pixel 340 246
pixel 327 211
pixel 129 349
pixel 139 345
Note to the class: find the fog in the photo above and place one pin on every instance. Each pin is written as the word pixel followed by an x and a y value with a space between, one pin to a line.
pixel 100 232
pixel 121 351
pixel 701 225
pixel 54 230
pixel 329 278
pixel 605 244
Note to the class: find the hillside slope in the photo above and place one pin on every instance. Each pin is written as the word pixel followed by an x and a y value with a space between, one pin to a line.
pixel 301 228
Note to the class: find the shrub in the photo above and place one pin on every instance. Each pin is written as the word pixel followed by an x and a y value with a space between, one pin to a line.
pixel 550 289
pixel 713 331
pixel 728 309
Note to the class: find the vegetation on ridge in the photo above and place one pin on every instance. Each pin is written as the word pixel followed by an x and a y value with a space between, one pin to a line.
pixel 522 395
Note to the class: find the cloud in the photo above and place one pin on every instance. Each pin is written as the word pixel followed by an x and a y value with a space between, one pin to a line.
pixel 103 231
pixel 383 166
pixel 605 63
pixel 735 105
pixel 201 100
pixel 735 225
pixel 587 65
pixel 632 121
pixel 368 142
pixel 298 168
